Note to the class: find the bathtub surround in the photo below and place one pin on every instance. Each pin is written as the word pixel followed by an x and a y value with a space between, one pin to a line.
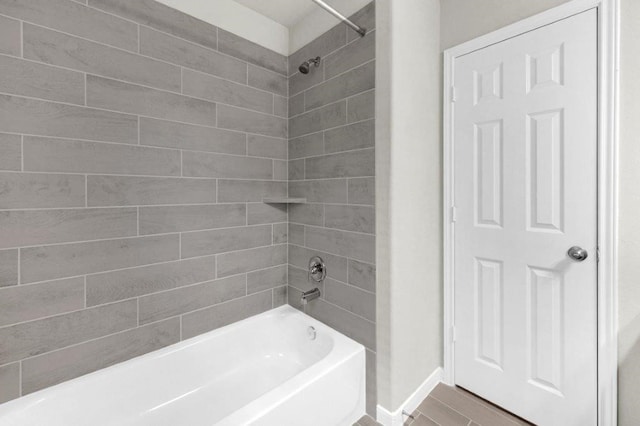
pixel 332 165
pixel 136 145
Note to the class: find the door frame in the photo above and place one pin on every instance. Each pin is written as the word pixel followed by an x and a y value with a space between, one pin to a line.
pixel 608 88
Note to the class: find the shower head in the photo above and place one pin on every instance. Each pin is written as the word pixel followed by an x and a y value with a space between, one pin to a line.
pixel 306 66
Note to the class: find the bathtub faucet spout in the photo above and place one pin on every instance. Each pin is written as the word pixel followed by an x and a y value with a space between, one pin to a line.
pixel 308 296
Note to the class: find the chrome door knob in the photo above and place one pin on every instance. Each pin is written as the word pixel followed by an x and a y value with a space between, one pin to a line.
pixel 577 253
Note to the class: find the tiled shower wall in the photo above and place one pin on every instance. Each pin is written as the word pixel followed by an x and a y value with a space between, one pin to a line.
pixel 136 144
pixel 331 163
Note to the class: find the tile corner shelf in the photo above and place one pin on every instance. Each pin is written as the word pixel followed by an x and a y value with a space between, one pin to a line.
pixel 284 200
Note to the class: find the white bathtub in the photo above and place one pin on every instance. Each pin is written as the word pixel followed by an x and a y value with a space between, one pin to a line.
pixel 264 370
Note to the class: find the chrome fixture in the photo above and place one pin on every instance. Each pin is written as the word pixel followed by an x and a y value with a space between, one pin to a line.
pixel 306 65
pixel 310 295
pixel 577 253
pixel 311 332
pixel 340 16
pixel 317 270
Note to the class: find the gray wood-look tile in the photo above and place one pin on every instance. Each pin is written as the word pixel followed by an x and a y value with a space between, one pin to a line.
pixel 352 299
pixel 217 316
pixel 280 106
pixel 35 117
pixel 131 98
pixel 9 382
pixel 259 213
pixel 361 107
pixel 350 56
pixel 362 275
pixel 329 116
pixel 231 191
pixel 293 297
pixel 295 234
pixel 280 233
pixel 470 406
pixel 350 83
pixel 342 243
pixel 331 40
pixel 200 164
pixel 66 364
pixel 267 278
pixel 41 190
pixel 206 86
pixel 25 78
pixel 65 260
pixel 140 191
pixel 166 219
pixel 251 52
pixel 299 279
pixel 279 296
pixel 371 382
pixel 306 146
pixel 362 191
pixel 167 304
pixel 250 260
pixel 73 18
pixel 163 18
pixel 135 282
pixel 307 214
pixel 296 169
pixel 280 170
pixel 336 265
pixel 33 227
pixel 10 152
pixel 359 329
pixel 421 420
pixel 232 118
pixel 320 191
pixel 352 136
pixel 366 18
pixel 10 36
pixel 350 218
pixel 171 49
pixel 299 82
pixel 192 137
pixel 70 156
pixel 296 104
pixel 37 337
pixel 52 47
pixel 347 164
pixel 8 268
pixel 264 146
pixel 441 413
pixel 29 302
pixel 268 80
pixel 203 243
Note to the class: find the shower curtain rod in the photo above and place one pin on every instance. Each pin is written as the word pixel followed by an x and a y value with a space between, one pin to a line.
pixel 347 21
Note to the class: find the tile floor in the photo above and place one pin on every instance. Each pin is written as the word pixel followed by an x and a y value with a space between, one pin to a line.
pixel 453 406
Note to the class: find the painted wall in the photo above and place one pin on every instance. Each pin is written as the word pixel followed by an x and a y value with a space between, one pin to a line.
pixel 134 156
pixel 332 164
pixel 408 194
pixel 463 20
pixel 237 19
pixel 318 22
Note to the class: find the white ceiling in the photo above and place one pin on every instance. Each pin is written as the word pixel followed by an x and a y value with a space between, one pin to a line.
pixel 285 12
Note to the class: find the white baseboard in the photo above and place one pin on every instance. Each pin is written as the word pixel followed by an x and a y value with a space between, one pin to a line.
pixel 396 418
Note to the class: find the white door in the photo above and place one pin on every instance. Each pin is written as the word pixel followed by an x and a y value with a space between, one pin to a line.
pixel 525 191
